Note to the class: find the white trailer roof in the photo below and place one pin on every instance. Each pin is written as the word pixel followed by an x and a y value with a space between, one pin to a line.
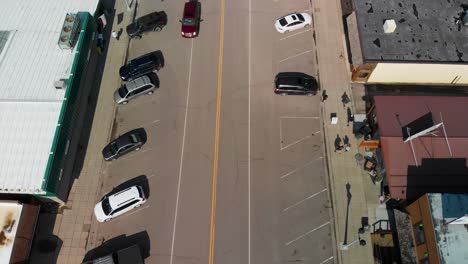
pixel 30 105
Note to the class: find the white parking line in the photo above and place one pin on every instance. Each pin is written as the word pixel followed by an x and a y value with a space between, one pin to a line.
pixel 295 142
pixel 182 154
pixel 303 200
pixel 307 164
pixel 249 207
pixel 307 233
pixel 293 56
pixel 325 261
pixel 293 35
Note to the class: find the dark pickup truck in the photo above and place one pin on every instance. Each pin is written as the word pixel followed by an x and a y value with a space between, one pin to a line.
pixel 152 22
pixel 130 255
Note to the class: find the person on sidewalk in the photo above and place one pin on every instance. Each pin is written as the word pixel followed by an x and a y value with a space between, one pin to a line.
pixel 345 99
pixel 347 145
pixel 350 116
pixel 324 96
pixel 338 144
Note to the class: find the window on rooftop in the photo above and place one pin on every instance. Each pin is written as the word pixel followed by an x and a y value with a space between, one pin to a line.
pixel 419 233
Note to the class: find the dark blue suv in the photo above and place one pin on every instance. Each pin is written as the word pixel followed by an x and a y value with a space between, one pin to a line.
pixel 142 65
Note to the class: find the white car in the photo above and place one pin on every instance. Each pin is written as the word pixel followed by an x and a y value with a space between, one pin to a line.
pixel 292 22
pixel 119 203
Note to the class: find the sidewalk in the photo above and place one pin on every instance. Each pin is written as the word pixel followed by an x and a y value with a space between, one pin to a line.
pixel 342 167
pixel 74 226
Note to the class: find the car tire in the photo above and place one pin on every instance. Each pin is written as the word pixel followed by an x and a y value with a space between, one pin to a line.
pixel 108 219
pixel 157 29
pixel 137 149
pixel 287 31
pixel 309 94
pixel 283 94
pixel 306 25
pixel 149 93
pixel 138 205
pixel 125 102
pixel 137 37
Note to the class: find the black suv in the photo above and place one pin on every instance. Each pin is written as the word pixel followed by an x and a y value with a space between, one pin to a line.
pixel 142 65
pixel 295 83
pixel 151 22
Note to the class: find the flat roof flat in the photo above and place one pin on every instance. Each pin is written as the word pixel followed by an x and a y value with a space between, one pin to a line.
pixel 452 238
pixel 425 30
pixel 30 62
pixel 10 214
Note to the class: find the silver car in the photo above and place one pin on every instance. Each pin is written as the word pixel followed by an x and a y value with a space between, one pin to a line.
pixel 142 85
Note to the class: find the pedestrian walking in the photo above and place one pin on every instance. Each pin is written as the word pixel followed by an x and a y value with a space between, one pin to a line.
pixel 338 144
pixel 350 116
pixel 345 99
pixel 347 145
pixel 324 96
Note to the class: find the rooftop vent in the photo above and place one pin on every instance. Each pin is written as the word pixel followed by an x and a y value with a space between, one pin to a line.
pixel 389 26
pixel 60 84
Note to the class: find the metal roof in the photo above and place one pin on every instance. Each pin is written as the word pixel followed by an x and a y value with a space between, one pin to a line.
pixel 30 105
pixel 435 170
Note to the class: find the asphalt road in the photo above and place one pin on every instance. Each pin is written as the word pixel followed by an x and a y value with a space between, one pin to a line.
pixel 235 172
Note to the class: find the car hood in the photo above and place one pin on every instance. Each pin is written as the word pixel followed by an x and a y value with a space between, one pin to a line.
pixel 132 29
pixel 124 72
pixel 106 153
pixel 99 213
pixel 189 28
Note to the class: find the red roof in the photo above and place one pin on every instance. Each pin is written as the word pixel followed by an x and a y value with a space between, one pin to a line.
pixel 437 171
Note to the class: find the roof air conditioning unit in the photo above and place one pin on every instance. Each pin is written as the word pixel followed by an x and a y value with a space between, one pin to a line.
pixel 60 84
pixel 70 30
pixel 389 26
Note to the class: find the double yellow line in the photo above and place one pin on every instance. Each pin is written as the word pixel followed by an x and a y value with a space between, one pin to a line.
pixel 216 144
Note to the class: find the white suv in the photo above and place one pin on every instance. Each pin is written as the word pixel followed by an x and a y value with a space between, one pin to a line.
pixel 119 203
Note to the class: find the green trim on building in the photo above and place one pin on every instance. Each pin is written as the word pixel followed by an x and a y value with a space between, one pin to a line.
pixel 69 106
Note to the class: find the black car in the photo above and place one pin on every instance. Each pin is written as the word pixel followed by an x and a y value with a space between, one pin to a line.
pixel 132 140
pixel 295 83
pixel 142 65
pixel 151 22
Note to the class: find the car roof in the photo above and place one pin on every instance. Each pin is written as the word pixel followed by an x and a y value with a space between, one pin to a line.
pixel 138 82
pixel 151 16
pixel 293 75
pixel 190 8
pixel 118 199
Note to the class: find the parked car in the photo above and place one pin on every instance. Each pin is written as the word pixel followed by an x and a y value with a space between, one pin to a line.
pixel 119 203
pixel 152 22
pixel 292 22
pixel 129 255
pixel 130 141
pixel 191 19
pixel 145 84
pixel 142 65
pixel 295 83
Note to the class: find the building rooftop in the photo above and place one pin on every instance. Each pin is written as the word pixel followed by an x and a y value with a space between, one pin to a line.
pixel 30 62
pixel 425 30
pixel 10 213
pixel 433 169
pixel 451 239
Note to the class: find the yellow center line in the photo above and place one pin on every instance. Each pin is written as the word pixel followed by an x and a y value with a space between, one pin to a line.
pixel 216 143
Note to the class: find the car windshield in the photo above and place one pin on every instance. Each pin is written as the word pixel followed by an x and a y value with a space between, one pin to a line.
pixel 301 17
pixel 189 22
pixel 123 91
pixel 133 138
pixel 113 148
pixel 106 206
pixel 283 22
